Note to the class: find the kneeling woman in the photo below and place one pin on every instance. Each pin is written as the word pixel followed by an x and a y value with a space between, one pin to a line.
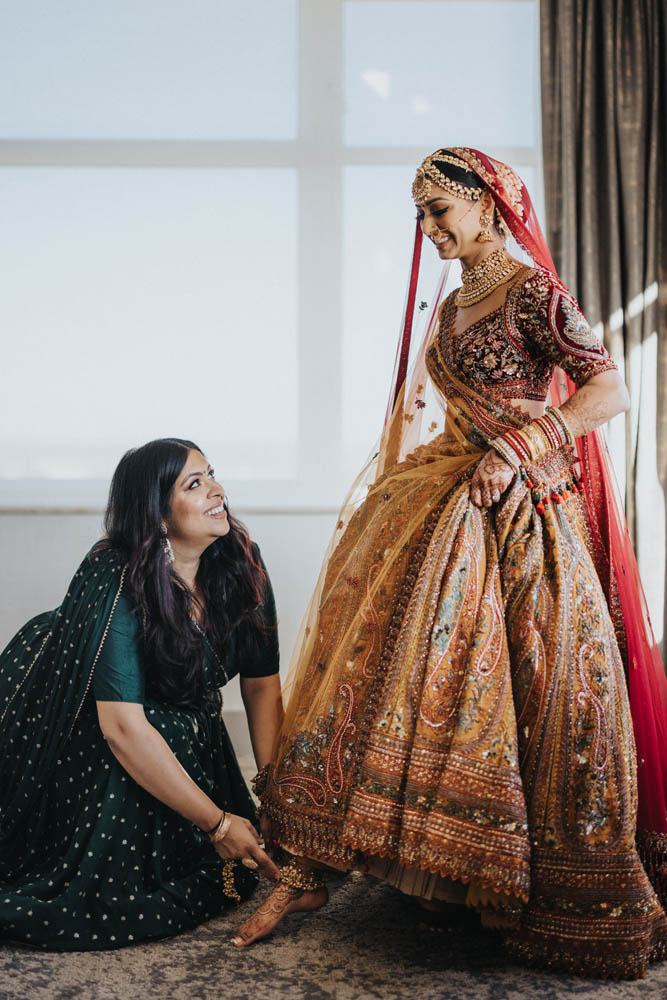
pixel 124 815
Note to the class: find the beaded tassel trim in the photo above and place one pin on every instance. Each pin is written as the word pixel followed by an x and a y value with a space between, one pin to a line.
pixel 558 494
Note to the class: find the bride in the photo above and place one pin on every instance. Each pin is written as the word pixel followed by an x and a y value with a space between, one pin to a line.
pixel 477 665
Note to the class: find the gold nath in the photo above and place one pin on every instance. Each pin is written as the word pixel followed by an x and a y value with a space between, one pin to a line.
pixel 428 174
pixel 482 279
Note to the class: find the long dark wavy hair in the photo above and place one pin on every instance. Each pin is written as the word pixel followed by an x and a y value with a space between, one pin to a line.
pixel 230 577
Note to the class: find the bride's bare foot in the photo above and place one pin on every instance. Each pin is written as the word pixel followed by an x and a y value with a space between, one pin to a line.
pixel 283 900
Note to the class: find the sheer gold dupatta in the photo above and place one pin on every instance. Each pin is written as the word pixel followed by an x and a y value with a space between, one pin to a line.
pixel 416 416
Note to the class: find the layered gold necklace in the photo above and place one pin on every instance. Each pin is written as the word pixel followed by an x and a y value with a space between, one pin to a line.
pixel 482 279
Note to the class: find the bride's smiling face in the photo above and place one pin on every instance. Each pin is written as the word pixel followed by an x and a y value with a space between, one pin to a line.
pixel 452 224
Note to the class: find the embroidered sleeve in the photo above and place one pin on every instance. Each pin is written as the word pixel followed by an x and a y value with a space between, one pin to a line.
pixel 555 327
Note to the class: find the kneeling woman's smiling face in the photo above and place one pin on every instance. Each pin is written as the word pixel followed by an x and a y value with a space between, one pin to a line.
pixel 198 505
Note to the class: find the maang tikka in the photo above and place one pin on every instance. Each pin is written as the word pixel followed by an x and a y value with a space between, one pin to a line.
pixel 166 544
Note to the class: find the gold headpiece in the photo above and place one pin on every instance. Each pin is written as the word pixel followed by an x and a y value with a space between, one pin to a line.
pixel 428 174
pixel 508 178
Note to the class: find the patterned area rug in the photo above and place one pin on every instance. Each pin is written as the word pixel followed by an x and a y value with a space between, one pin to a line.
pixel 369 942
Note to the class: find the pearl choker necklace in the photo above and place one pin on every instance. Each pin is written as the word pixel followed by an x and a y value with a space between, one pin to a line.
pixel 482 279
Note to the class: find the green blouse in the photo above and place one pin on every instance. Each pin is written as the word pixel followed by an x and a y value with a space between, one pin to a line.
pixel 119 672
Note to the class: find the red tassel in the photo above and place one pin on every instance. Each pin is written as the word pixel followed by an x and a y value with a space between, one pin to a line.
pixel 539 507
pixel 530 484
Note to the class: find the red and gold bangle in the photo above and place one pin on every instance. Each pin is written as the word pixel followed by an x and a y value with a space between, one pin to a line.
pixel 556 415
pixel 506 452
pixel 530 444
pixel 551 429
pixel 519 444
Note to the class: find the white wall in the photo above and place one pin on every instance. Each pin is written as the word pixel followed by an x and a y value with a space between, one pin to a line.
pixel 41 551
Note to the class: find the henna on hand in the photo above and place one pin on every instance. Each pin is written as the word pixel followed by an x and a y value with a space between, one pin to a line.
pixel 491 478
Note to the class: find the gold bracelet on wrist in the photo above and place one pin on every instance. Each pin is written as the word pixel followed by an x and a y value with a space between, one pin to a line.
pixel 216 825
pixel 221 830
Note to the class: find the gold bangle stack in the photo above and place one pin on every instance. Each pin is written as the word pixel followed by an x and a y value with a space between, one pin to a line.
pixel 531 444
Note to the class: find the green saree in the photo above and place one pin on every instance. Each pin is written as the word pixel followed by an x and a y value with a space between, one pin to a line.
pixel 88 859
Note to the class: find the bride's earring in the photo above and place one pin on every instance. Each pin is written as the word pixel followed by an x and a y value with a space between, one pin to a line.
pixel 485 221
pixel 166 544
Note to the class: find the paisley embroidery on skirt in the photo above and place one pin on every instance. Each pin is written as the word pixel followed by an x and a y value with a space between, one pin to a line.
pixel 334 756
pixel 313 788
pixel 601 741
pixel 491 652
pixel 318 795
pixel 432 704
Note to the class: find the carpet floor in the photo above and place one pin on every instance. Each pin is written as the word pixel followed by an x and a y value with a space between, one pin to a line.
pixel 369 942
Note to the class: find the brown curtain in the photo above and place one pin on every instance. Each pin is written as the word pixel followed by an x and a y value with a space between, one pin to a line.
pixel 604 122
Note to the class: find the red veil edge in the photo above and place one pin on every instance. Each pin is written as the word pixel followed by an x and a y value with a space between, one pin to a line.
pixel 613 551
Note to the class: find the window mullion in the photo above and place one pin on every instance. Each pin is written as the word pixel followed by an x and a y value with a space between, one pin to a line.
pixel 320 244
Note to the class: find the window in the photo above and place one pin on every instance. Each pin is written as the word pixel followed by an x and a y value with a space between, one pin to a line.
pixel 207 224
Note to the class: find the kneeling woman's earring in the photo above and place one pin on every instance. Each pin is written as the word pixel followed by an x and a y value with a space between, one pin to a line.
pixel 166 544
pixel 485 221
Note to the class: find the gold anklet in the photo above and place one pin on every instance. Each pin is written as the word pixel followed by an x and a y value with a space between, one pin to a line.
pixel 297 877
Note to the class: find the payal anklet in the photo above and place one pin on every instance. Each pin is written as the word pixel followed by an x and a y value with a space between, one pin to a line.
pixel 296 876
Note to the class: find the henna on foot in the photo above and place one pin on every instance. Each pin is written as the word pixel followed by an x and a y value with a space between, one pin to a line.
pixel 283 900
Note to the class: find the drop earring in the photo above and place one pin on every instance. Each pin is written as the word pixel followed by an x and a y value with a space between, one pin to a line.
pixel 485 221
pixel 166 544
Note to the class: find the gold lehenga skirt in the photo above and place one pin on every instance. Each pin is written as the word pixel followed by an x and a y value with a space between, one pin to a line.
pixel 460 725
